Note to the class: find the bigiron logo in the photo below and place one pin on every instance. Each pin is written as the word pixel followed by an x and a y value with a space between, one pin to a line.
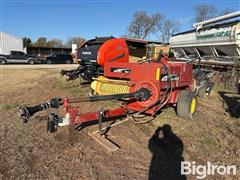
pixel 203 171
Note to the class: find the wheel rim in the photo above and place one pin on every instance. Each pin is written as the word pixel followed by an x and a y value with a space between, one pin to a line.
pixel 193 105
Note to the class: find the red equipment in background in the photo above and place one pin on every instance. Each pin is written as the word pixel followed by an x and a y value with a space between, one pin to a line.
pixel 113 50
pixel 94 53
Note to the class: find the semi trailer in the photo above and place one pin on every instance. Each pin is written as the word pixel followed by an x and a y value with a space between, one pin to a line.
pixel 10 43
pixel 215 40
pixel 213 43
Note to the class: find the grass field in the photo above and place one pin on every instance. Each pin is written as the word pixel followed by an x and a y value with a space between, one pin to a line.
pixel 29 152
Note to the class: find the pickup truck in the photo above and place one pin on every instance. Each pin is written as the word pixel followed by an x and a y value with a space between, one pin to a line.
pixel 59 59
pixel 17 57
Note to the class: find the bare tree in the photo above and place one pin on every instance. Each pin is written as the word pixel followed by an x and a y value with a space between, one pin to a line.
pixel 41 42
pixel 74 40
pixel 204 12
pixel 225 11
pixel 143 25
pixel 55 43
pixel 167 29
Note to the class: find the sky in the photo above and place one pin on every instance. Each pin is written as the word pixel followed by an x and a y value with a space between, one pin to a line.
pixel 63 19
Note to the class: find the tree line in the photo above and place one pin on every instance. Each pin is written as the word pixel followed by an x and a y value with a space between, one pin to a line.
pixel 53 43
pixel 142 26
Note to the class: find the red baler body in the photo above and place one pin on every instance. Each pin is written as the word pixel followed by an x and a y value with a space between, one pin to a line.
pixel 152 76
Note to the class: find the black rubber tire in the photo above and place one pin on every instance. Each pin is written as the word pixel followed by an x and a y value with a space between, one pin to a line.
pixel 3 61
pixel 49 62
pixel 31 61
pixel 184 104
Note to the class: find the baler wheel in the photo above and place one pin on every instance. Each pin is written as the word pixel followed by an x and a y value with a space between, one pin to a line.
pixel 187 104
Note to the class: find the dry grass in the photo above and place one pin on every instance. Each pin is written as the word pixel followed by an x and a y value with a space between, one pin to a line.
pixel 28 152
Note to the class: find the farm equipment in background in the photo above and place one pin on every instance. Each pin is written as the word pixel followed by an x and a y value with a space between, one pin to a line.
pixel 204 84
pixel 216 43
pixel 93 54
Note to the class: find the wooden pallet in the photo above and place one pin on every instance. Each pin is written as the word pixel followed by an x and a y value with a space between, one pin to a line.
pixel 105 142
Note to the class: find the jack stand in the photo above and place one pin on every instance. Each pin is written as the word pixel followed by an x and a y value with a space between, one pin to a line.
pixel 52 122
pixel 100 136
pixel 100 120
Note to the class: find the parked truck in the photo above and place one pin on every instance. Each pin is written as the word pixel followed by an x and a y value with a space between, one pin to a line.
pixel 12 50
pixel 17 57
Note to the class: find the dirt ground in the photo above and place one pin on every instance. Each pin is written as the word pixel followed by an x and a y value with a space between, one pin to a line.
pixel 151 151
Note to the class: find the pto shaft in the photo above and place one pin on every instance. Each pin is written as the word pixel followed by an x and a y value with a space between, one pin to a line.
pixel 142 94
pixel 26 112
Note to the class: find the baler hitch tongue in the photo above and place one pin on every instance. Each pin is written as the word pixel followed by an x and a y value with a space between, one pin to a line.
pixel 27 111
pixel 142 94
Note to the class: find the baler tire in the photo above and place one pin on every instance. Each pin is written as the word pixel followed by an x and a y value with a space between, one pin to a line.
pixel 187 104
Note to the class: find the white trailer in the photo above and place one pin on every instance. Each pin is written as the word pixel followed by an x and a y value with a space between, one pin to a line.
pixel 210 41
pixel 215 43
pixel 10 43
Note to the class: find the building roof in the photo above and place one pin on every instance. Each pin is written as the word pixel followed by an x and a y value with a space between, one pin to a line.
pixel 36 47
